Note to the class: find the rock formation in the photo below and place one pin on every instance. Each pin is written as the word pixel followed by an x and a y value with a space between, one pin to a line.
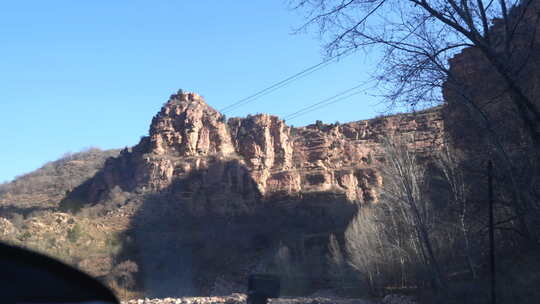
pixel 479 110
pixel 258 156
pixel 199 185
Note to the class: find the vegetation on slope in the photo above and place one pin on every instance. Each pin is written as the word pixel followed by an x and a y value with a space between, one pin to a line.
pixel 29 218
pixel 46 186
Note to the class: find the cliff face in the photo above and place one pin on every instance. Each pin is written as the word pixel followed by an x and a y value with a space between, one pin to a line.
pixel 191 148
pixel 199 185
pixel 479 110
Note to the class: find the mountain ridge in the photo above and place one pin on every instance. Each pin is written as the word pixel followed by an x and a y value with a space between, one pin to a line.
pixel 187 134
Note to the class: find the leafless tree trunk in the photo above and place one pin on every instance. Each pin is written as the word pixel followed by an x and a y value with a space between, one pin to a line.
pixel 448 163
pixel 403 187
pixel 337 262
pixel 364 248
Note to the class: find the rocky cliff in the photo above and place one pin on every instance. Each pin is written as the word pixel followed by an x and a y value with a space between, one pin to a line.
pixel 256 157
pixel 208 200
pixel 480 111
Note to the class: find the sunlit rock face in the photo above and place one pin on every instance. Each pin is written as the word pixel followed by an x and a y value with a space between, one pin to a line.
pixel 194 154
pixel 199 185
pixel 187 126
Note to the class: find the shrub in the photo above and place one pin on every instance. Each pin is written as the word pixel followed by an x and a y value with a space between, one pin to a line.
pixel 123 275
pixel 75 233
pixel 294 131
pixel 70 205
pixel 17 220
pixel 24 236
pixel 114 243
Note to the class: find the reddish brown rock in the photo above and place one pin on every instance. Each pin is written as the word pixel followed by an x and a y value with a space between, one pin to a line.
pixel 187 126
pixel 259 156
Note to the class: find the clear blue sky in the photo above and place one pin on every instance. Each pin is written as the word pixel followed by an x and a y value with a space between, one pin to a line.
pixel 77 74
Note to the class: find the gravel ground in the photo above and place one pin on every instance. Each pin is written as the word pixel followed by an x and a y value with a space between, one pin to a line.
pixel 241 299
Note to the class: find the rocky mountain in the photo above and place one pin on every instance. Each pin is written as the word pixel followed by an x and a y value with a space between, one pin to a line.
pixel 204 201
pixel 254 158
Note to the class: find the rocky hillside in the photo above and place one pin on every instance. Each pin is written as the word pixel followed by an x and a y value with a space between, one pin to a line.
pixel 207 201
pixel 203 201
pixel 29 215
pixel 259 156
pixel 45 187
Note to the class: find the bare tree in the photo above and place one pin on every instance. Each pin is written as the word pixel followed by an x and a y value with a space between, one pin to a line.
pixel 283 261
pixel 336 260
pixel 365 252
pixel 480 57
pixel 393 242
pixel 420 36
pixel 404 190
pixel 458 205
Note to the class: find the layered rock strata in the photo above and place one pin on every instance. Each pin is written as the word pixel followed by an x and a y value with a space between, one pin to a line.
pixel 259 156
pixel 212 198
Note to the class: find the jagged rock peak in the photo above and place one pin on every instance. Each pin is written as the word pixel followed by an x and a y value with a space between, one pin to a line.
pixel 188 126
pixel 256 157
pixel 183 101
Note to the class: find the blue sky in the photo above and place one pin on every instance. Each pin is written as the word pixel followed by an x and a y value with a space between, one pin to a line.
pixel 79 74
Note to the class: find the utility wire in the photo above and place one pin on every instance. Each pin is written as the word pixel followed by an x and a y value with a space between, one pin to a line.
pixel 325 102
pixel 271 89
pixel 275 87
pixel 298 75
pixel 285 82
pixel 329 101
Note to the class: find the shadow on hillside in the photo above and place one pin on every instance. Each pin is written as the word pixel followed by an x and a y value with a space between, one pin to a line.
pixel 213 225
pixel 8 211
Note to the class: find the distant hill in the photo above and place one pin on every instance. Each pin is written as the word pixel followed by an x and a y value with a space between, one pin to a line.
pixel 29 216
pixel 46 186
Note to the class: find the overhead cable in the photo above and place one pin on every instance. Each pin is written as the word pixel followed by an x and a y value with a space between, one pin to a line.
pixel 298 75
pixel 325 102
pixel 284 82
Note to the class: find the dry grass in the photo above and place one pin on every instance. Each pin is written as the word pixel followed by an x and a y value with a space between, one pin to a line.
pixel 46 186
pixel 89 244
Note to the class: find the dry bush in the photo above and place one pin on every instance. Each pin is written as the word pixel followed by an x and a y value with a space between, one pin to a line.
pixel 123 275
pixel 336 261
pixel 17 220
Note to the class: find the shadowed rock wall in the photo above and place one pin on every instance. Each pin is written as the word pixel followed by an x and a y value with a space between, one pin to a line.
pixel 215 199
pixel 264 156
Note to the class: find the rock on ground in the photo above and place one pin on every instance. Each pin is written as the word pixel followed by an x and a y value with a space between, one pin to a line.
pixel 241 299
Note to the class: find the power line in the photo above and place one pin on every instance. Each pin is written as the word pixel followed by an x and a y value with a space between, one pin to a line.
pixel 328 101
pixel 325 102
pixel 298 75
pixel 284 82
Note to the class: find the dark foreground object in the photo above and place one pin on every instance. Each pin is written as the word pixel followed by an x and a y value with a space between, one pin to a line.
pixel 29 277
pixel 261 287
